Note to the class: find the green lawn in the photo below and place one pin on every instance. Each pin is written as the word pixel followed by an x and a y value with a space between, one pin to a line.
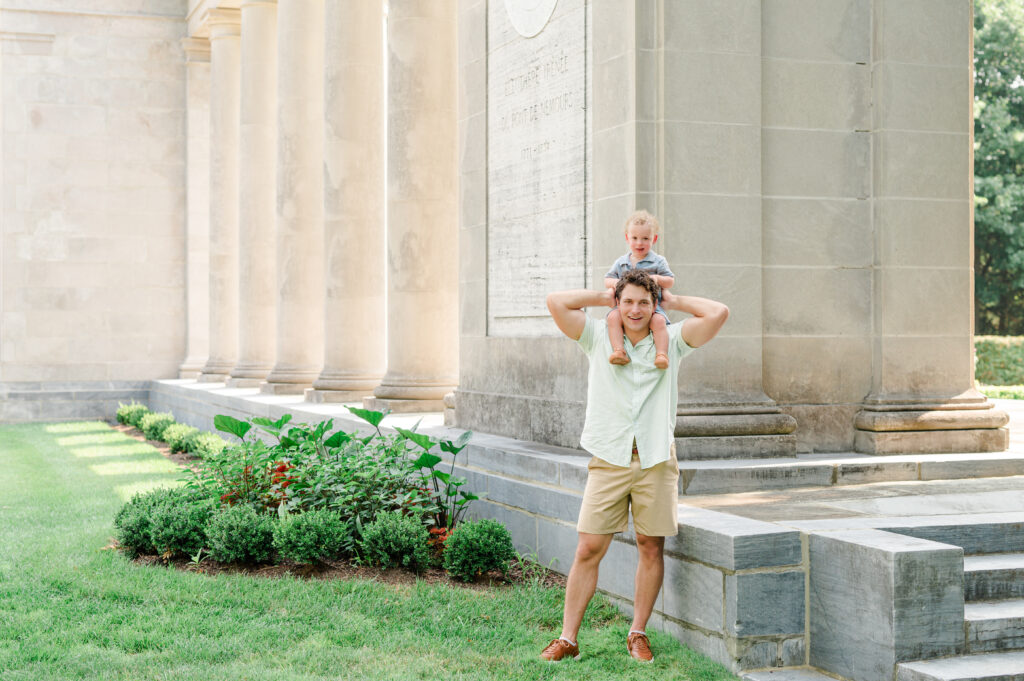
pixel 71 610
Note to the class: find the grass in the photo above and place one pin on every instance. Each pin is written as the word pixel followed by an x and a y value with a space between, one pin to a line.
pixel 71 610
pixel 1003 392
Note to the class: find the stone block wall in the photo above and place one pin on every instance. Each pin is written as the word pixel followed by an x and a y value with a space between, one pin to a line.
pixel 92 250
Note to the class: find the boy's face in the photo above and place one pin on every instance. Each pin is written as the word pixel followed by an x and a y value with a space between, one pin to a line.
pixel 636 308
pixel 640 239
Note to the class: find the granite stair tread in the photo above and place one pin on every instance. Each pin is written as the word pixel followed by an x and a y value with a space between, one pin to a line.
pixel 994 561
pixel 985 667
pixel 1009 608
pixel 993 576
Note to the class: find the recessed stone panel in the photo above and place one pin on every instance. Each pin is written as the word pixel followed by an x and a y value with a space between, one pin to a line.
pixel 536 179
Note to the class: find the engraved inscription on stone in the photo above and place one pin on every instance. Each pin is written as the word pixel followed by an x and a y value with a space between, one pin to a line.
pixel 536 179
pixel 529 17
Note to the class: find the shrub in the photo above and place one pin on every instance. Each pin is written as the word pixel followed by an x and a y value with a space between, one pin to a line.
pixel 126 413
pixel 1003 392
pixel 131 414
pixel 1000 359
pixel 178 526
pixel 240 534
pixel 312 536
pixel 153 424
pixel 476 547
pixel 204 444
pixel 134 520
pixel 176 435
pixel 395 539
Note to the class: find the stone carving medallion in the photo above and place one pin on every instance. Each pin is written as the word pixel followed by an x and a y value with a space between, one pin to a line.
pixel 529 17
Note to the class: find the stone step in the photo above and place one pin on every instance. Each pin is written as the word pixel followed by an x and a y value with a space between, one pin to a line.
pixel 987 667
pixel 824 470
pixel 994 625
pixel 992 577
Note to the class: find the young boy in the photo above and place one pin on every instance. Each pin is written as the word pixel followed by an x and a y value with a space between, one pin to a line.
pixel 641 235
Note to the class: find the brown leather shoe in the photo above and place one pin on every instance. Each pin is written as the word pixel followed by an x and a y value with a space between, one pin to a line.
pixel 560 649
pixel 618 357
pixel 639 647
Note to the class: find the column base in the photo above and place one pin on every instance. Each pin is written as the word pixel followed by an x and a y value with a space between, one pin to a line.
pixel 215 371
pixel 289 380
pixel 403 406
pixel 977 440
pixel 191 367
pixel 967 425
pixel 449 409
pixel 268 388
pixel 211 377
pixel 735 431
pixel 319 396
pixel 235 382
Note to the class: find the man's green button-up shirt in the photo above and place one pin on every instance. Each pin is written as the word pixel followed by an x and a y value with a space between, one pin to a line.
pixel 637 400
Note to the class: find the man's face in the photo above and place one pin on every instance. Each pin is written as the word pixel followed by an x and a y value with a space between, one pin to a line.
pixel 636 308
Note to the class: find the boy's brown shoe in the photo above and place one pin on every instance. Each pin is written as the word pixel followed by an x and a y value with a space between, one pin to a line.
pixel 560 649
pixel 639 647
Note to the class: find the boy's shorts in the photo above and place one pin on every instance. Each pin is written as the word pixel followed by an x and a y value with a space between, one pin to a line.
pixel 653 494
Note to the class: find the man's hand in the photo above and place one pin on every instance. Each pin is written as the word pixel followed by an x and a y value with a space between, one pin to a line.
pixel 708 317
pixel 566 308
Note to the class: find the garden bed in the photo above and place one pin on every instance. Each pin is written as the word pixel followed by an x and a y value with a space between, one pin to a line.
pixel 360 560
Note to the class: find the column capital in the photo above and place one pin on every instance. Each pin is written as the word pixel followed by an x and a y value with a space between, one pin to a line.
pixel 196 49
pixel 224 23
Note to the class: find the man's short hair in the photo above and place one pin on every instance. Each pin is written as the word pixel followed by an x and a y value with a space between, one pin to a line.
pixel 638 278
pixel 642 217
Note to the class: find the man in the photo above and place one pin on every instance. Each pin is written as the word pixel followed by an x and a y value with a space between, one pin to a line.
pixel 629 430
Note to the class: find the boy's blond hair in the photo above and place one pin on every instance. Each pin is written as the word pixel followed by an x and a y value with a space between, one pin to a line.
pixel 642 217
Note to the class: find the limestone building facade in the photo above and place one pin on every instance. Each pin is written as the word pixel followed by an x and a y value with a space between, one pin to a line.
pixel 355 200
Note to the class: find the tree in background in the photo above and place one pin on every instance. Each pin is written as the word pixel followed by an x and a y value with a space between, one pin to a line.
pixel 999 166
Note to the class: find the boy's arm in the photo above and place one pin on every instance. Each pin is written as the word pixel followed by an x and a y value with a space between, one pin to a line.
pixel 610 282
pixel 708 317
pixel 566 308
pixel 663 281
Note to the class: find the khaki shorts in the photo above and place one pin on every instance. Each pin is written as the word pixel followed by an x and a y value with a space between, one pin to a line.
pixel 611 490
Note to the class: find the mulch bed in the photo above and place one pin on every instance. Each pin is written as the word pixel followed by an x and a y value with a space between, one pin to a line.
pixel 333 569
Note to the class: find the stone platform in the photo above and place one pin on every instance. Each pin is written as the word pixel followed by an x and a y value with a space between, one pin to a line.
pixel 847 564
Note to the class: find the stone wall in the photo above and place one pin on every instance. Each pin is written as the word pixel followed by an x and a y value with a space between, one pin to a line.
pixel 811 166
pixel 92 255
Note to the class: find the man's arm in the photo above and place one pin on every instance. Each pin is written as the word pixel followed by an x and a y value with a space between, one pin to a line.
pixel 708 317
pixel 566 308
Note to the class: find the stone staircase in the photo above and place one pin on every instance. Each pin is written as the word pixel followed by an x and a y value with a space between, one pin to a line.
pixel 993 625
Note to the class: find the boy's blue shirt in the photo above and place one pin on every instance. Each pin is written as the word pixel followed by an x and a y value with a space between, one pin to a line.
pixel 652 262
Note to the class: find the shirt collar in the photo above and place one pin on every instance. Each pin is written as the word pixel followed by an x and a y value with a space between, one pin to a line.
pixel 647 258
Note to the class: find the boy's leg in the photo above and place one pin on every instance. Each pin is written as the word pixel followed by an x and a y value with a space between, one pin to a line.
pixel 617 337
pixel 659 327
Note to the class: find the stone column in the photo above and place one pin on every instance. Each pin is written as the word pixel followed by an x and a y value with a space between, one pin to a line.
pixel 225 28
pixel 922 394
pixel 300 208
pixel 354 314
pixel 257 154
pixel 197 335
pixel 422 207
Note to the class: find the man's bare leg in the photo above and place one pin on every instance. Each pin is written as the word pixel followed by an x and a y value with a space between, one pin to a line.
pixel 582 582
pixel 650 571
